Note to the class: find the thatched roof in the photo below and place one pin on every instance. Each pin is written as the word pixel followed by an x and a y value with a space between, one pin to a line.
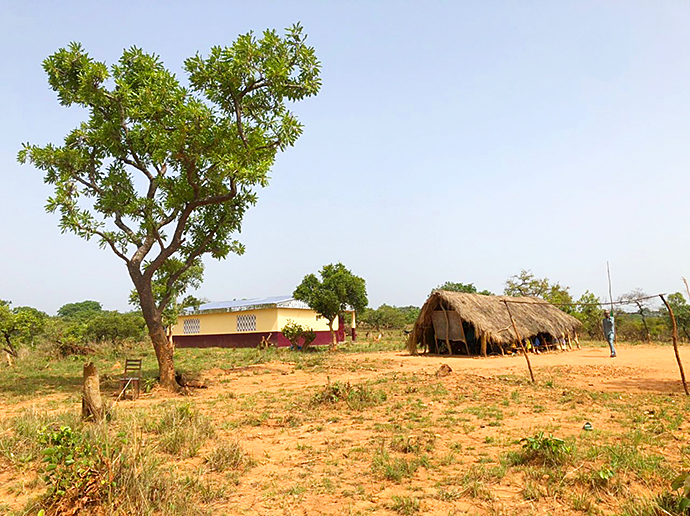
pixel 489 316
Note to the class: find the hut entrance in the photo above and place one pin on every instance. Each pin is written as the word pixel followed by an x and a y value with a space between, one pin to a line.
pixel 451 334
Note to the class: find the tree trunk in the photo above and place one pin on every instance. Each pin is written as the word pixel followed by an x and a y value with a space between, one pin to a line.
pixel 9 348
pixel 91 402
pixel 154 322
pixel 644 321
pixel 334 341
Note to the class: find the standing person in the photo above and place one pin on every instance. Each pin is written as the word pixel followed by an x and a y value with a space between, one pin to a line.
pixel 609 331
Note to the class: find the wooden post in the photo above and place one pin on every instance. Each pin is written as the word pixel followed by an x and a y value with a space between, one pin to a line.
pixel 675 344
pixel 91 402
pixel 450 350
pixel 522 344
pixel 482 344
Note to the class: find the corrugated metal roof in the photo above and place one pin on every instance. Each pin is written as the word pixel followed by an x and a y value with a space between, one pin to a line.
pixel 248 304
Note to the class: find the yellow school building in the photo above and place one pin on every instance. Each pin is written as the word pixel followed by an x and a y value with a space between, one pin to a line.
pixel 245 323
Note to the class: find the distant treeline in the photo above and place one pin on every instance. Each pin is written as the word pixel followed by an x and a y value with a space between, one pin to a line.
pixel 639 319
pixel 74 330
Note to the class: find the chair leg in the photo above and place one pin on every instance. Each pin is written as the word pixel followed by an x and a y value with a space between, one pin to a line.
pixel 136 387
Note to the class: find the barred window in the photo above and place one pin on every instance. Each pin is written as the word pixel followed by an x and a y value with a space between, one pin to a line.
pixel 191 326
pixel 246 322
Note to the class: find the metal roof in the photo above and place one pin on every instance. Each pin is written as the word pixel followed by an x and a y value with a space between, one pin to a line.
pixel 239 305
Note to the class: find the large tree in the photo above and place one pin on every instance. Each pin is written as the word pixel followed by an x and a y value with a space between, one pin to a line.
pixel 527 284
pixel 338 290
pixel 161 173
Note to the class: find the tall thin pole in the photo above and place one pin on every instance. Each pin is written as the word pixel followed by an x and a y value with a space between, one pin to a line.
pixel 608 272
pixel 675 344
pixel 522 344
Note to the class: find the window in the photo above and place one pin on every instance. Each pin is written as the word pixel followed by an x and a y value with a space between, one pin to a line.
pixel 191 326
pixel 246 322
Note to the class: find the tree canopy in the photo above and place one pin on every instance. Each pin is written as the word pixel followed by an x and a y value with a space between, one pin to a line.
pixel 468 288
pixel 20 325
pixel 331 295
pixel 527 284
pixel 162 174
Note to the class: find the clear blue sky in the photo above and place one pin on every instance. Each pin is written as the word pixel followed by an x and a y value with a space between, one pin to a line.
pixel 452 141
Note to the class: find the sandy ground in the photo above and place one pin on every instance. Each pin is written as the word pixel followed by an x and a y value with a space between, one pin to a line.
pixel 635 369
pixel 311 464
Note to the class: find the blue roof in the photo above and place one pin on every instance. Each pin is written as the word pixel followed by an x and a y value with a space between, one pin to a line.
pixel 246 304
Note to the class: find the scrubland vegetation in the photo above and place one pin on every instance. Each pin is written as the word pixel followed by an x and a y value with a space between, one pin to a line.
pixel 368 430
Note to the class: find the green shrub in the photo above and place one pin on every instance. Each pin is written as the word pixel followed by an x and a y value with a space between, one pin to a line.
pixel 541 449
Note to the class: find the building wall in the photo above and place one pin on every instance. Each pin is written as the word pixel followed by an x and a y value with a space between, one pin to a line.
pixel 303 317
pixel 220 329
pixel 226 322
pixel 267 320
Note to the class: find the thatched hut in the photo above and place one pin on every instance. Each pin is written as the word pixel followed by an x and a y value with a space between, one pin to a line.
pixel 474 324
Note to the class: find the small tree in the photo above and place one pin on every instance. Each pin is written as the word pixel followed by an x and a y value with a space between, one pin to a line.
pixel 681 310
pixel 589 313
pixel 162 174
pixel 20 325
pixel 300 337
pixel 337 291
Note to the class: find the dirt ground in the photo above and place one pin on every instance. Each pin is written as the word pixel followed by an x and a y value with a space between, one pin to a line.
pixel 322 459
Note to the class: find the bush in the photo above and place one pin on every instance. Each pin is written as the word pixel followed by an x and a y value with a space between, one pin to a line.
pixel 548 450
pixel 300 337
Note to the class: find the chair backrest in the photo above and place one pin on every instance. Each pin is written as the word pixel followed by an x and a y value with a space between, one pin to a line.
pixel 132 365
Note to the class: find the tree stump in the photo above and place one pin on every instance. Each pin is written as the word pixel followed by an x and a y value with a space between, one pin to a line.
pixel 91 402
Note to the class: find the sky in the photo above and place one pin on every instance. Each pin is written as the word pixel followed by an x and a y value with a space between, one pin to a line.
pixel 451 141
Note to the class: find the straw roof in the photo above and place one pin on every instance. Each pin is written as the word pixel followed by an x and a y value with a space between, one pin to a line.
pixel 489 316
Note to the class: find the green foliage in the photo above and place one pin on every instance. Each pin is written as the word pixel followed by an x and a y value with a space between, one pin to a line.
pixel 300 337
pixel 68 458
pixel 116 327
pixel 527 284
pixel 467 288
pixel 21 325
pixel 410 313
pixel 548 450
pixel 81 310
pixel 589 313
pixel 337 291
pixel 384 317
pixel 162 174
pixel 682 483
pixel 681 310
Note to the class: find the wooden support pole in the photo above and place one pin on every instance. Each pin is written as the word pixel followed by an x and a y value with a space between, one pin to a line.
pixel 482 344
pixel 675 344
pixel 522 344
pixel 450 350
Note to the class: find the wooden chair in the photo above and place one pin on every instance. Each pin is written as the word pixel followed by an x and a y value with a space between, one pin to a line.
pixel 131 377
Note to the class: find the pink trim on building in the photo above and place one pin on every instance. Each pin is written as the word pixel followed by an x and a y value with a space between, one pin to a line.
pixel 246 340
